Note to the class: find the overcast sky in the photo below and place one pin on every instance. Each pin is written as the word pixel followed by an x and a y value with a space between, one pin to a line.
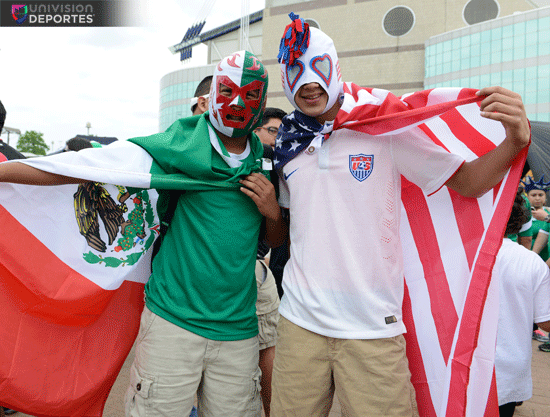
pixel 55 80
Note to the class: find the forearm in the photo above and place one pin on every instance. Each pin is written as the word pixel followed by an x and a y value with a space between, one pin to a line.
pixel 525 241
pixel 477 177
pixel 540 242
pixel 276 231
pixel 18 173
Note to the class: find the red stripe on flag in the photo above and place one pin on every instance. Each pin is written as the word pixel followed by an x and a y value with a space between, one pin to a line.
pixel 495 192
pixel 477 294
pixel 469 222
pixel 466 133
pixel 416 364
pixel 418 99
pixel 468 92
pixel 53 326
pixel 492 402
pixel 394 114
pixel 65 297
pixel 423 232
pixel 51 369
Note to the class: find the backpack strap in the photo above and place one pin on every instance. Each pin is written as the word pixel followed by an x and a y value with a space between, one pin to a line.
pixel 173 198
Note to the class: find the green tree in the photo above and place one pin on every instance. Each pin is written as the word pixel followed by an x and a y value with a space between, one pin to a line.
pixel 32 141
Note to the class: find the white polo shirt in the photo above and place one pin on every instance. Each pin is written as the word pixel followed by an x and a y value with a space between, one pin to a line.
pixel 345 278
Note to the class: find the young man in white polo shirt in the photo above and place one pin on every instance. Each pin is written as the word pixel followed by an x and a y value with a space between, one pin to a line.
pixel 341 328
pixel 524 299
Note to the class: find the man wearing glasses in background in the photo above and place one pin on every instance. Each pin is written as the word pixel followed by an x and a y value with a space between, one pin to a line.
pixel 271 122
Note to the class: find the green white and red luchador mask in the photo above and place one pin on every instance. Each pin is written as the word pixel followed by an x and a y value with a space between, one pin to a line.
pixel 238 94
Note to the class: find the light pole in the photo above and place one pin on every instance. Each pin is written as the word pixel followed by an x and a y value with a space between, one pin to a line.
pixel 88 126
pixel 9 130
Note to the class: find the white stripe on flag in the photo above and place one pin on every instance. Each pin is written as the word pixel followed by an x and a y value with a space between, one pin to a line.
pixel 434 363
pixel 450 244
pixel 121 162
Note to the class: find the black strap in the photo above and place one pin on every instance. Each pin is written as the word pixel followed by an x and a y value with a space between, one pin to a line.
pixel 173 197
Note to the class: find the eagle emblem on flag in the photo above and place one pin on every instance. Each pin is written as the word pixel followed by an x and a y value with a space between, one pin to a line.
pixel 361 166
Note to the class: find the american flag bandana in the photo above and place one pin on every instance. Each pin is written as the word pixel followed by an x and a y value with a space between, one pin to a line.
pixel 450 242
pixel 296 132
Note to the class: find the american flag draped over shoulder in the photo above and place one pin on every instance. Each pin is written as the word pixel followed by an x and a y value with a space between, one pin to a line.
pixel 450 242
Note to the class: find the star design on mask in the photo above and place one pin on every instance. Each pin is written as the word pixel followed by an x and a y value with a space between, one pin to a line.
pixel 276 161
pixel 304 127
pixel 292 129
pixel 279 142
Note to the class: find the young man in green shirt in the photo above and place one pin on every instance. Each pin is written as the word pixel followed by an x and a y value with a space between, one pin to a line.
pixel 199 328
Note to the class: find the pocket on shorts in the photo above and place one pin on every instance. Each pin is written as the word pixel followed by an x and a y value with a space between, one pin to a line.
pixel 255 404
pixel 140 394
pixel 147 318
pixel 267 329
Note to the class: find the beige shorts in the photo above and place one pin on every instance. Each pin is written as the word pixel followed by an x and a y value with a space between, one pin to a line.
pixel 267 306
pixel 172 364
pixel 370 377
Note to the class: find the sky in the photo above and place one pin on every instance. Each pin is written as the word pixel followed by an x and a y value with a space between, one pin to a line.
pixel 56 80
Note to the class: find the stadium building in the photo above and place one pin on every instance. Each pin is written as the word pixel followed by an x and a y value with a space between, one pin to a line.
pixel 399 46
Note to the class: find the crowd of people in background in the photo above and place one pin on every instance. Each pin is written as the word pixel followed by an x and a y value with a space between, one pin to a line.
pixel 230 358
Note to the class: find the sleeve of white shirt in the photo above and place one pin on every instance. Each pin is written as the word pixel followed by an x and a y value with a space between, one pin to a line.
pixel 423 162
pixel 541 294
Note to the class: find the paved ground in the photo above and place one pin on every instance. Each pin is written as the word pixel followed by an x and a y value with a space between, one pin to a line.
pixel 537 406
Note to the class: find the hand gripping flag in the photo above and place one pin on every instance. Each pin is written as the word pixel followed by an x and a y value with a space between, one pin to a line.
pixel 449 242
pixel 74 260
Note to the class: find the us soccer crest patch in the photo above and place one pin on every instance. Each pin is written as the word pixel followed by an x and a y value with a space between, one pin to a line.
pixel 361 166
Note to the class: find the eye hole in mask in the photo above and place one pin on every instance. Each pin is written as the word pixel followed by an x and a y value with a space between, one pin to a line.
pixel 322 65
pixel 294 73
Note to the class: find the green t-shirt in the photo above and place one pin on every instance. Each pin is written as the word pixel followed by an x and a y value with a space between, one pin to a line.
pixel 203 275
pixel 535 227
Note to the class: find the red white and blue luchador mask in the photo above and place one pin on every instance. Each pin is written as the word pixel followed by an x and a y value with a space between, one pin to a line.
pixel 319 64
pixel 238 94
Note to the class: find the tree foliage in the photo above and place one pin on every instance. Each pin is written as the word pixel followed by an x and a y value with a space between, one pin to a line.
pixel 33 142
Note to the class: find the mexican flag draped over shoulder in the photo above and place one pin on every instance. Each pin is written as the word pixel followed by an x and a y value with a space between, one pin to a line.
pixel 74 260
pixel 72 310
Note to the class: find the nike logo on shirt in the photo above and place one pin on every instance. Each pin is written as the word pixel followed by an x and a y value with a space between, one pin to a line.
pixel 287 176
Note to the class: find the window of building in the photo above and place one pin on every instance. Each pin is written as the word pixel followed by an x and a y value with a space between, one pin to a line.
pixel 398 21
pixel 477 11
